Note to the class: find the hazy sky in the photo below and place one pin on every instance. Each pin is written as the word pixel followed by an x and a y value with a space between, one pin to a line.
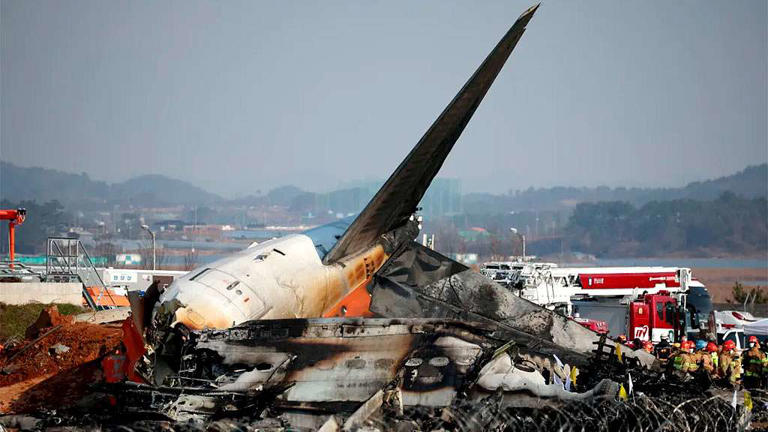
pixel 240 96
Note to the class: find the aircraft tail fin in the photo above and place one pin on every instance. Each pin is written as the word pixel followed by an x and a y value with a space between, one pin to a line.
pixel 397 200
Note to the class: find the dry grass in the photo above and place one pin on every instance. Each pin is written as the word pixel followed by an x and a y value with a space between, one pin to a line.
pixel 719 281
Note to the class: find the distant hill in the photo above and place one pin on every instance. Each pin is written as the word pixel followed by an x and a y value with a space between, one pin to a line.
pixel 160 189
pixel 42 184
pixel 80 191
pixel 751 182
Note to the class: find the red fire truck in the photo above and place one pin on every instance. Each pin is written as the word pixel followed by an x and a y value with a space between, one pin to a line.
pixel 622 297
pixel 655 315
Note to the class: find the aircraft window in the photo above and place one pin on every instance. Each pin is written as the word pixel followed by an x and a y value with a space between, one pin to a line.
pixel 384 363
pixel 273 333
pixel 439 361
pixel 222 281
pixel 263 366
pixel 414 362
pixel 260 257
pixel 355 364
pixel 204 271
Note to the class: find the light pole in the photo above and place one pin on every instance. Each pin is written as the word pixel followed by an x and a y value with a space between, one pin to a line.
pixel 152 235
pixel 514 231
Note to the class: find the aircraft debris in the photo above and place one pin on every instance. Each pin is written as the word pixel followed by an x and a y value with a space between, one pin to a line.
pixel 354 326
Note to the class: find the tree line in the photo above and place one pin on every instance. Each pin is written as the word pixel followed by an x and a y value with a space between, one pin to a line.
pixel 730 224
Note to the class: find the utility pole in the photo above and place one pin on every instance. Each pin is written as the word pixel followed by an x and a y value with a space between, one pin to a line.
pixel 154 250
pixel 522 237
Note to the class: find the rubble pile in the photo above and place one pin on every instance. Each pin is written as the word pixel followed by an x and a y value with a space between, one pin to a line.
pixel 356 374
pixel 640 413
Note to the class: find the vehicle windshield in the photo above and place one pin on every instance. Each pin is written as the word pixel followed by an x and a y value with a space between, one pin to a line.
pixel 699 298
pixel 737 337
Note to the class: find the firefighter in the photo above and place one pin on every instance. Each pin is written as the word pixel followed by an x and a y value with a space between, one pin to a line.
pixel 622 339
pixel 674 357
pixel 686 361
pixel 729 364
pixel 702 357
pixel 663 350
pixel 648 347
pixel 754 362
pixel 714 360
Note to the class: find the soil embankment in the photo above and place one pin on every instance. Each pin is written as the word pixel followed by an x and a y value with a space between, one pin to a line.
pixel 54 364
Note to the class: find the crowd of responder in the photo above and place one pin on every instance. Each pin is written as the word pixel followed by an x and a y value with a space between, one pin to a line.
pixel 722 363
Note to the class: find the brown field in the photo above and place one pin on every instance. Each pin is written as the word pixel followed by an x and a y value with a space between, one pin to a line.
pixel 719 281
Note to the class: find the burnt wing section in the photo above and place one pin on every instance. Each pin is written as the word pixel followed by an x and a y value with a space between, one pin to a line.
pixel 396 201
pixel 423 283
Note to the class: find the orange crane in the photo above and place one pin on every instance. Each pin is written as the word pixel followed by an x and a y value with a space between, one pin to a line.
pixel 14 217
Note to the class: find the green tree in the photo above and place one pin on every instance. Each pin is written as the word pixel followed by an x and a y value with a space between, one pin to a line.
pixel 755 295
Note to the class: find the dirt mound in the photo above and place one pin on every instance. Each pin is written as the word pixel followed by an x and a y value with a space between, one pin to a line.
pixel 66 347
pixel 55 364
pixel 49 317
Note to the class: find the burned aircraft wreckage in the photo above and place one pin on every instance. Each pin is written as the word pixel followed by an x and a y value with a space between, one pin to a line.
pixel 335 326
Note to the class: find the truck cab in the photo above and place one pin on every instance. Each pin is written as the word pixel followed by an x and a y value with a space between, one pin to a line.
pixel 655 315
pixel 699 306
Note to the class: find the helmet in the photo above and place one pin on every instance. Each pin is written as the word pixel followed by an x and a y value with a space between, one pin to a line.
pixel 753 339
pixel 687 345
pixel 701 344
pixel 676 345
pixel 622 338
pixel 711 347
pixel 648 346
pixel 729 344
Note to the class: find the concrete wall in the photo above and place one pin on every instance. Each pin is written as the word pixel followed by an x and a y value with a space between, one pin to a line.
pixel 41 292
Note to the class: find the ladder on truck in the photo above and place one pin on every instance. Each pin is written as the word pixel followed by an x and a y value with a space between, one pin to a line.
pixel 67 260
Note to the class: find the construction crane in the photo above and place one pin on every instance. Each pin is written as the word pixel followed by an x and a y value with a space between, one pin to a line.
pixel 14 217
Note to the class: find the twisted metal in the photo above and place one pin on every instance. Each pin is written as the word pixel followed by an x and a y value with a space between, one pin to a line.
pixel 640 413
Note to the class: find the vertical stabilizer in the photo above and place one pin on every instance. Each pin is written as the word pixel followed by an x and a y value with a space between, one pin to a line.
pixel 396 201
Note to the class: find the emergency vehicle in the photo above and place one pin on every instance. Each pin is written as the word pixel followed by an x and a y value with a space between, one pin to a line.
pixel 597 326
pixel 639 289
pixel 729 325
pixel 653 316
